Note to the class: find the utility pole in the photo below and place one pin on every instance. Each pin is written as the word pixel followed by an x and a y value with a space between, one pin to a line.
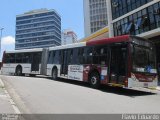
pixel 1 29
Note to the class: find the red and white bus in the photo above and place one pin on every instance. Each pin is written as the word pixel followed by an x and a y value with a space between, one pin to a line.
pixel 125 61
pixel 21 62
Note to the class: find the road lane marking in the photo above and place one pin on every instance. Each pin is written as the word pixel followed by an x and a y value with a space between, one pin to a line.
pixel 1 83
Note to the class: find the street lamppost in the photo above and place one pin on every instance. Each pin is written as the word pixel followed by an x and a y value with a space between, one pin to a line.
pixel 1 29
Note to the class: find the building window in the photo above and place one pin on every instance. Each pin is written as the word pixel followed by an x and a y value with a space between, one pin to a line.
pixel 139 22
pixel 121 7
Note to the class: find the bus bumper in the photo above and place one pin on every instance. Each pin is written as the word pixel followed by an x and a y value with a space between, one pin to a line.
pixel 136 83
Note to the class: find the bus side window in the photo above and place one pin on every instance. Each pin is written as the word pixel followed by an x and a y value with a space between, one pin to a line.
pixel 75 59
pixel 27 58
pixel 96 55
pixel 81 55
pixel 70 56
pixel 89 55
pixel 104 56
pixel 39 55
pixel 60 57
pixel 6 60
pixel 54 59
pixel 123 61
pixel 159 67
pixel 100 55
pixel 50 60
pixel 19 58
pixel 12 58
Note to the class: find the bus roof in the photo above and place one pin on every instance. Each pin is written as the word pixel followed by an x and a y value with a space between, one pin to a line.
pixel 93 42
pixel 25 50
pixel 81 44
pixel 124 38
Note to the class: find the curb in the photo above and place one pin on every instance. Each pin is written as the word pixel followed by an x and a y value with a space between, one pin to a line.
pixel 15 108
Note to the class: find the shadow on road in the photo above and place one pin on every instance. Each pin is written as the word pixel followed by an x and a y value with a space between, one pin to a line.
pixel 104 88
pixel 109 89
pixel 125 92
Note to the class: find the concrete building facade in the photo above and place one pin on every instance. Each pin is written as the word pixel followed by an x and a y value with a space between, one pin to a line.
pixel 68 37
pixel 38 29
pixel 95 15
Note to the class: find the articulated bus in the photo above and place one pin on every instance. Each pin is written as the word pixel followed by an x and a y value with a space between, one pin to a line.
pixel 125 61
pixel 21 62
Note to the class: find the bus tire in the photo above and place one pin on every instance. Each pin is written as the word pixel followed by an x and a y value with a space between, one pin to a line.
pixel 54 74
pixel 94 80
pixel 19 71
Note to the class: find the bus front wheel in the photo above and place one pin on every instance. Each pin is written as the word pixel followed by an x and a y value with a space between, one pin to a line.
pixel 54 74
pixel 94 80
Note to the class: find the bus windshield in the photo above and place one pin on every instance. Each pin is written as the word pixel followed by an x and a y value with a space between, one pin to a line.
pixel 143 59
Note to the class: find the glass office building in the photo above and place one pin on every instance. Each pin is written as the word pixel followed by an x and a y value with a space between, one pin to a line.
pixel 121 7
pixel 38 29
pixel 146 19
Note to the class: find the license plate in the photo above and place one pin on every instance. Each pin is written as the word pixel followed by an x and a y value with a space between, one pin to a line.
pixel 145 84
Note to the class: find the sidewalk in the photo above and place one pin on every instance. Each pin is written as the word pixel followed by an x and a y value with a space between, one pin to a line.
pixel 5 105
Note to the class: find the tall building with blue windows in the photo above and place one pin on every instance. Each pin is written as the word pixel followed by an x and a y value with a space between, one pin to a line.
pixel 38 29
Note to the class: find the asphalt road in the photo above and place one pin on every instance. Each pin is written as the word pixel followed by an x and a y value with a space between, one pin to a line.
pixel 43 95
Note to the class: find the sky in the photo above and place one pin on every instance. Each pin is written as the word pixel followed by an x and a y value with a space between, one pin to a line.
pixel 71 12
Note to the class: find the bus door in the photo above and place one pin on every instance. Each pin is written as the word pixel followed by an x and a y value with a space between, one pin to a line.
pixel 36 59
pixel 64 66
pixel 118 63
pixel 67 56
